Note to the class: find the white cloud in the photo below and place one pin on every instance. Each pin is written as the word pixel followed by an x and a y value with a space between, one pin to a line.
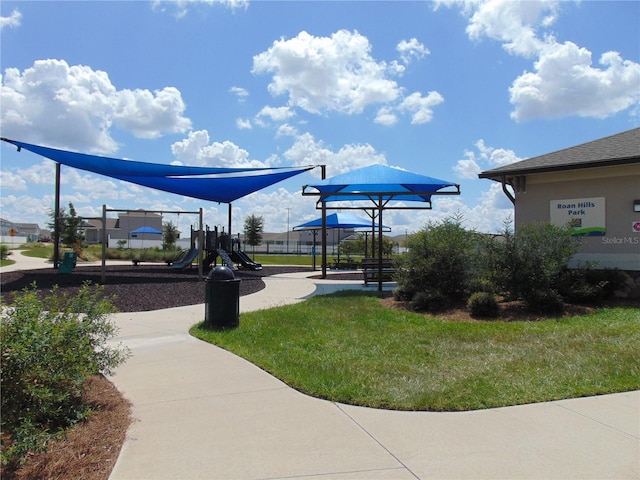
pixel 471 165
pixel 411 49
pixel 468 167
pixel 385 116
pixel 243 124
pixel 338 74
pixel 308 151
pixel 272 206
pixel 421 107
pixel 149 115
pixel 320 74
pixel 276 114
pixel 12 21
pixel 11 181
pixel 240 93
pixel 180 8
pixel 512 23
pixel 195 150
pixel 286 130
pixel 26 209
pixel 565 83
pixel 75 107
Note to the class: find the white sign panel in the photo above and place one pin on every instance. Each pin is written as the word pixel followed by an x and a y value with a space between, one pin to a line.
pixel 585 215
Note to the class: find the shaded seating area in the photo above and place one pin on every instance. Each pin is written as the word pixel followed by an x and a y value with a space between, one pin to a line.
pixel 377 188
pixel 375 270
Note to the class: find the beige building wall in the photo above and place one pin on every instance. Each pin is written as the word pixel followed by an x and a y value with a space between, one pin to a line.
pixel 619 247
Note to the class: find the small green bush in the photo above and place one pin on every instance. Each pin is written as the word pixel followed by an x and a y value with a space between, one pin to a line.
pixel 579 285
pixel 441 257
pixel 403 293
pixel 4 252
pixel 483 304
pixel 49 347
pixel 543 301
pixel 432 301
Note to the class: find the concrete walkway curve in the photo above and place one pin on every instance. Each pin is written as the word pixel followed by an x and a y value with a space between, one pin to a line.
pixel 203 413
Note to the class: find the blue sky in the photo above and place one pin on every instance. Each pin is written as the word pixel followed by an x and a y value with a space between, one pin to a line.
pixel 444 89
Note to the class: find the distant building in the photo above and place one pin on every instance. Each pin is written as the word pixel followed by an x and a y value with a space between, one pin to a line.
pixel 120 228
pixel 31 231
pixel 594 186
pixel 13 233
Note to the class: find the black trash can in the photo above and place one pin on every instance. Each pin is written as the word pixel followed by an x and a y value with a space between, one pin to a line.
pixel 222 299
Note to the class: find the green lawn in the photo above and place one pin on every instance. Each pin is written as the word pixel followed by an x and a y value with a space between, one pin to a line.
pixel 302 260
pixel 349 348
pixel 37 250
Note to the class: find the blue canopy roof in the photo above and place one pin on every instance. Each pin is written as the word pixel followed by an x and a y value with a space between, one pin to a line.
pixel 223 185
pixel 339 220
pixel 379 182
pixel 151 230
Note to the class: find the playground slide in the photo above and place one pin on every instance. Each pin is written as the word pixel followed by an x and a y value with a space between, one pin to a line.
pixel 245 261
pixel 211 256
pixel 187 260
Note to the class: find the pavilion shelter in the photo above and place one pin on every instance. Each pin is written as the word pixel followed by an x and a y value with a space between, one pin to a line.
pixel 337 221
pixel 377 188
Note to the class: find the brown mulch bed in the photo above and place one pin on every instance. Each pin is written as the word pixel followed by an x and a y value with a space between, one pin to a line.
pixel 509 312
pixel 89 450
pixel 136 289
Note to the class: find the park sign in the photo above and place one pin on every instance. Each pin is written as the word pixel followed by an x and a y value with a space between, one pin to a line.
pixel 586 216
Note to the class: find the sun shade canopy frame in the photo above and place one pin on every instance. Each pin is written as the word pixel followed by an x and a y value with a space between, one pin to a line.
pixel 380 184
pixel 340 220
pixel 377 186
pixel 222 185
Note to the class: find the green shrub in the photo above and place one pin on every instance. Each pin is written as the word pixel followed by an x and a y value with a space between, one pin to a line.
pixel 543 301
pixel 4 252
pixel 433 301
pixel 403 293
pixel 529 264
pixel 579 285
pixel 441 257
pixel 49 347
pixel 609 280
pixel 483 304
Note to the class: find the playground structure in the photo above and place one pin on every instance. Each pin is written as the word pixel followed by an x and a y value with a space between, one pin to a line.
pixel 215 245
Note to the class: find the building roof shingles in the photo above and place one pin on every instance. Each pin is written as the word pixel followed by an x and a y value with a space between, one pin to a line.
pixel 618 149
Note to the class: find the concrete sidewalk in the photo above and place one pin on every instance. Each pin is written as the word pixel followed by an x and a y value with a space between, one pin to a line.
pixel 204 413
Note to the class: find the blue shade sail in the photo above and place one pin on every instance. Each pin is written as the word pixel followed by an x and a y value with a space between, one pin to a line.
pixel 223 185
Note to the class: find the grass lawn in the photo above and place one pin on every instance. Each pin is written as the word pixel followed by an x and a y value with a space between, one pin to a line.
pixel 37 250
pixel 4 263
pixel 302 260
pixel 347 347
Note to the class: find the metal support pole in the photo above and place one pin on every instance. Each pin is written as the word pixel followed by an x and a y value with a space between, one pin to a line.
pixel 324 228
pixel 201 246
pixel 380 244
pixel 56 220
pixel 104 244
